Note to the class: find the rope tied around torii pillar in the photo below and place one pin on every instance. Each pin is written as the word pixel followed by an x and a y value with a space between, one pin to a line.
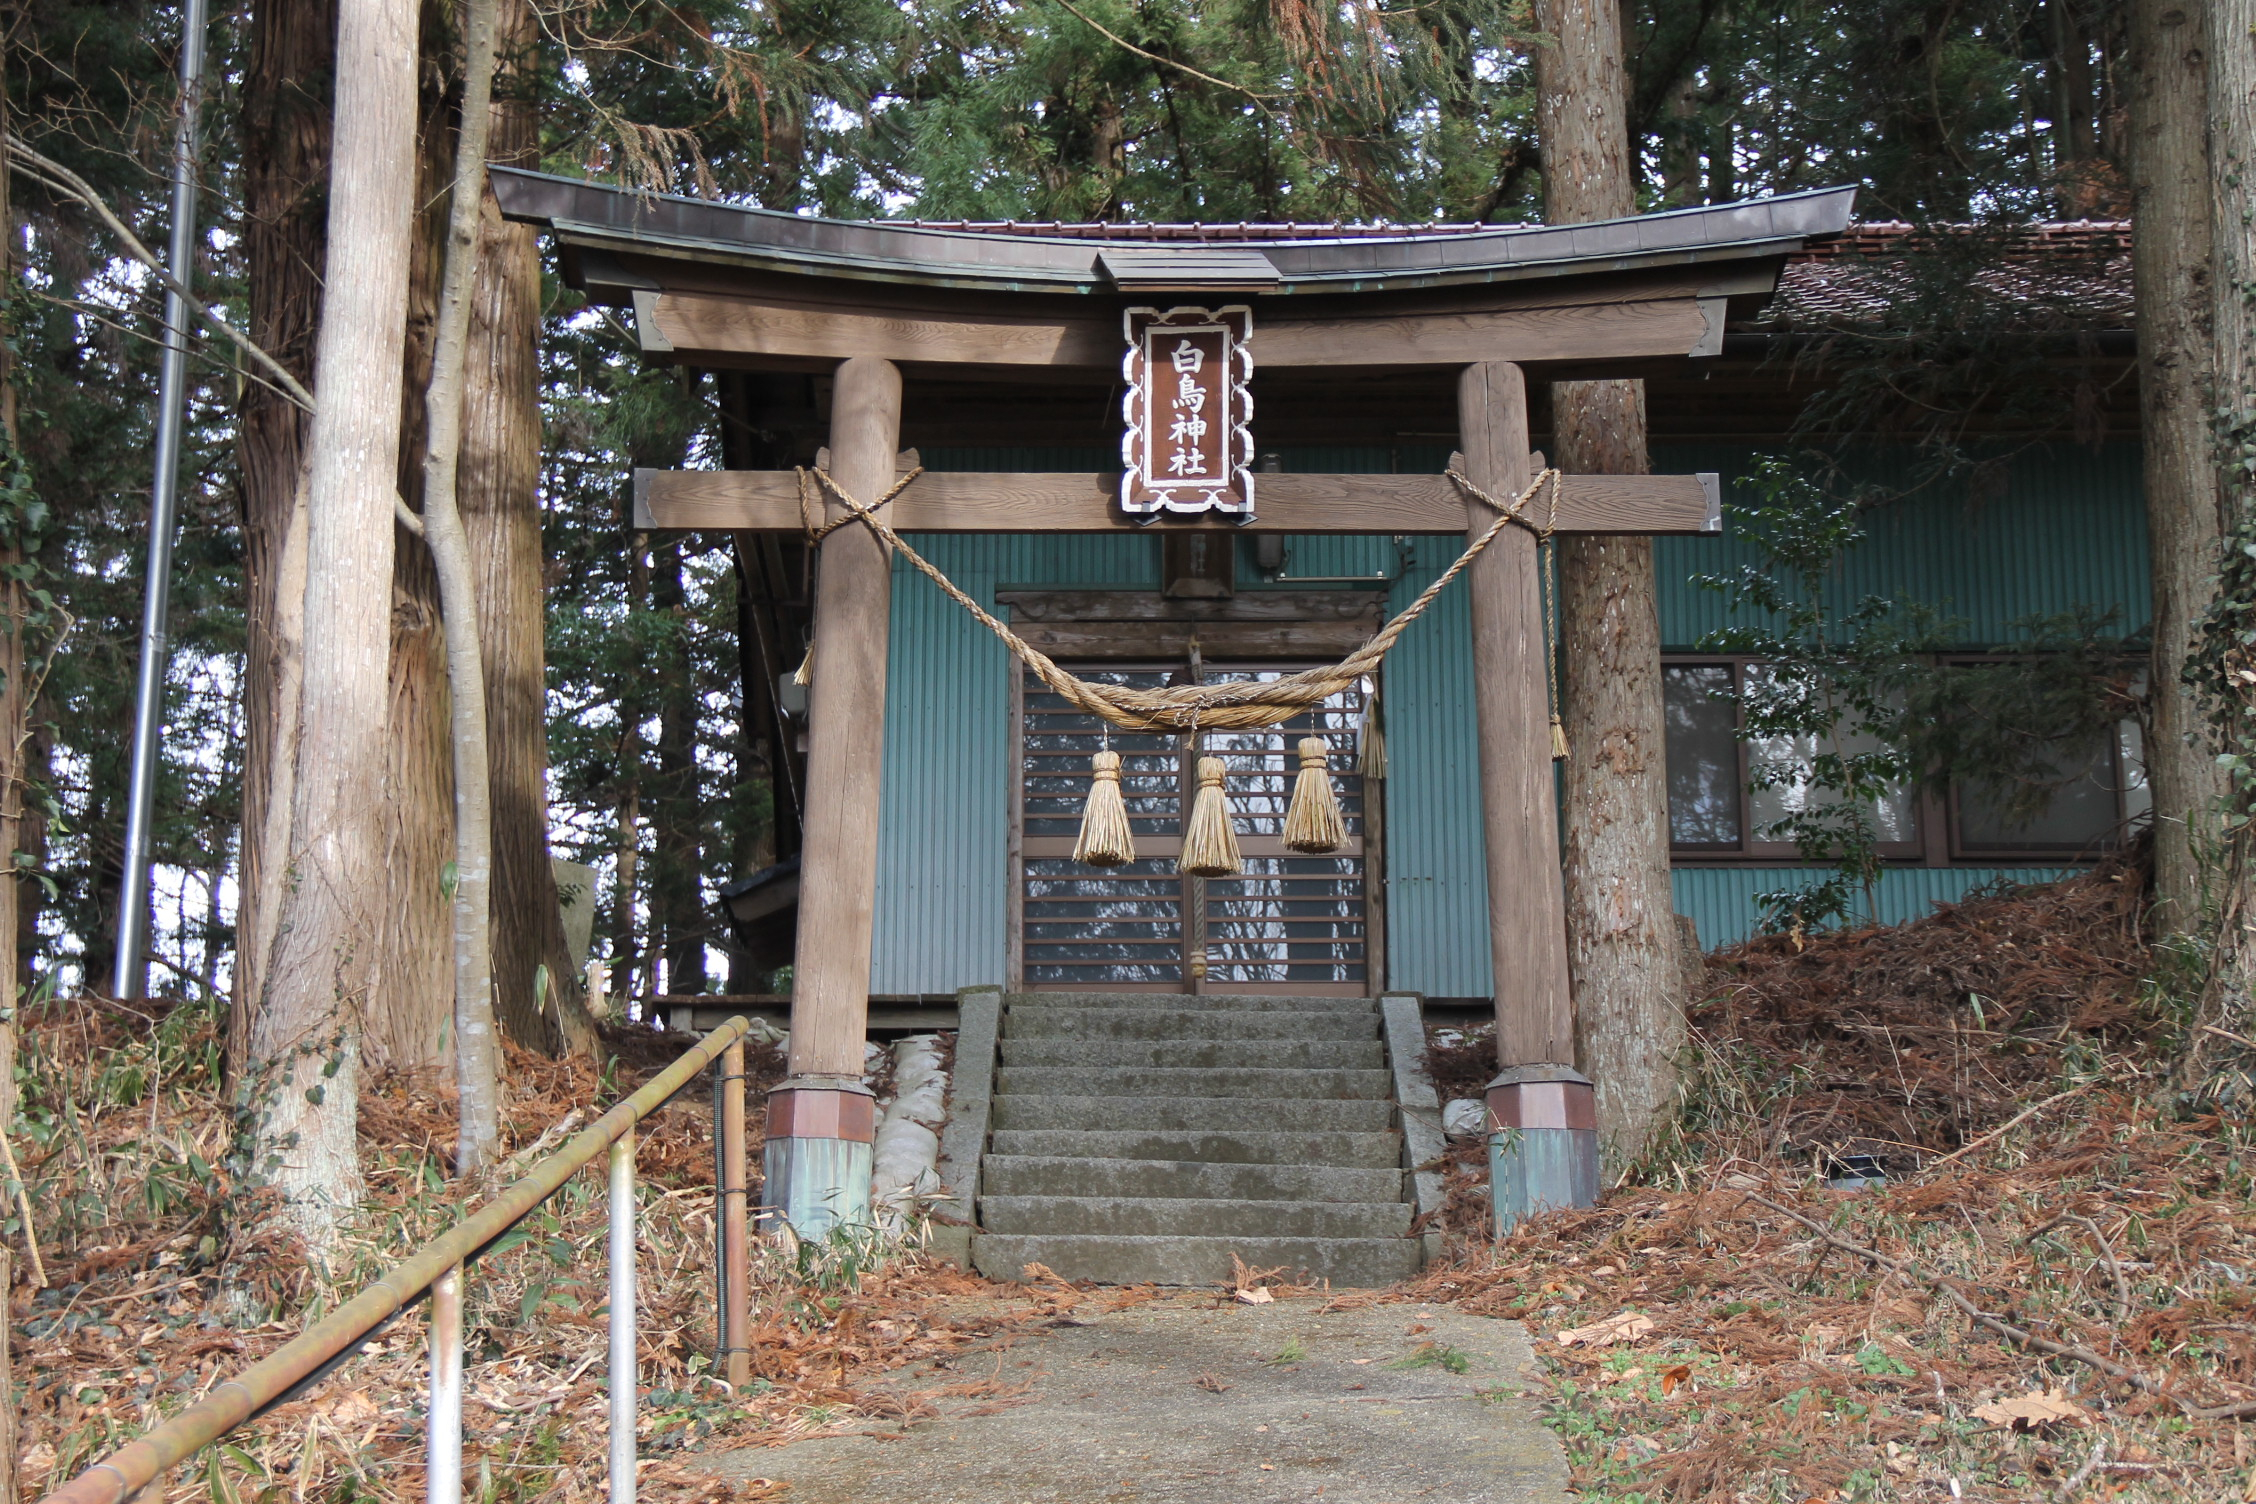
pixel 1188 709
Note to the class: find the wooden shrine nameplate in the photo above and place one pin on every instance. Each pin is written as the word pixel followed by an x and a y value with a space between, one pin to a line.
pixel 947 501
pixel 1184 408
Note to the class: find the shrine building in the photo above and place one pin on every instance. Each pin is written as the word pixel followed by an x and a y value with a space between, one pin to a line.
pixel 1181 463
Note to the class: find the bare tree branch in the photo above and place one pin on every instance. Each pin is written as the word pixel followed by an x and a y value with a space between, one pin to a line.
pixel 2143 1382
pixel 54 176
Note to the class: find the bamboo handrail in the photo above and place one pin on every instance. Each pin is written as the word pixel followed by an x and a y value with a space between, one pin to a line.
pixel 132 1467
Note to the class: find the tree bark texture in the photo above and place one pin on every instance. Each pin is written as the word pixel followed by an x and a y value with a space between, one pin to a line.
pixel 2232 289
pixel 677 905
pixel 285 132
pixel 15 746
pixel 1622 939
pixel 413 1023
pixel 499 488
pixel 1623 943
pixel 476 1049
pixel 306 1032
pixel 2184 519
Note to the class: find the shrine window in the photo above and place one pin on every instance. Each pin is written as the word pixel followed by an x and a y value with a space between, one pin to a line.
pixel 2098 788
pixel 2091 792
pixel 1713 810
pixel 1707 778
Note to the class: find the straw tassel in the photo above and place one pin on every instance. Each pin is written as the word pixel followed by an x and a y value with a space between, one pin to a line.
pixel 1370 739
pixel 1107 840
pixel 1210 840
pixel 1558 741
pixel 1313 823
pixel 805 674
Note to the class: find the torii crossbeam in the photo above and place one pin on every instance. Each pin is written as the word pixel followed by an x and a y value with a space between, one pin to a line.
pixel 719 286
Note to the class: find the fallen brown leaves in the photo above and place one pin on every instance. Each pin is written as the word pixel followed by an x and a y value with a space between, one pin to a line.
pixel 1772 1360
pixel 142 1220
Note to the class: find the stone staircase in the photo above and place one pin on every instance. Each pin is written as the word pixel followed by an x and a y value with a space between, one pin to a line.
pixel 1138 1137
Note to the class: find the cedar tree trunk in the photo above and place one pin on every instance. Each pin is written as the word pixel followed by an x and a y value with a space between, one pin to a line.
pixel 415 1024
pixel 285 128
pixel 2232 288
pixel 2170 270
pixel 499 489
pixel 305 1036
pixel 1621 918
pixel 476 1075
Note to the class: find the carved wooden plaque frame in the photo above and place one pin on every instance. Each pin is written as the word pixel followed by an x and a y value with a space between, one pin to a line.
pixel 1186 410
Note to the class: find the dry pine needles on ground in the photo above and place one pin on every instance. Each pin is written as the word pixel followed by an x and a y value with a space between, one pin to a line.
pixel 127 1159
pixel 1733 1330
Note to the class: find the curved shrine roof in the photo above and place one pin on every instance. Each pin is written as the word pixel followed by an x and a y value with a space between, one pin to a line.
pixel 1125 258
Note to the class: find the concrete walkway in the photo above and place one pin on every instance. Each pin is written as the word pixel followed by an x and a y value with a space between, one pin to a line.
pixel 1180 1402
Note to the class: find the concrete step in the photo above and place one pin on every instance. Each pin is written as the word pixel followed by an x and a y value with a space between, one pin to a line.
pixel 1186 1024
pixel 1345 1262
pixel 1032 1175
pixel 1108 1216
pixel 1200 1054
pixel 1226 1113
pixel 1211 1147
pixel 1180 1081
pixel 1113 1002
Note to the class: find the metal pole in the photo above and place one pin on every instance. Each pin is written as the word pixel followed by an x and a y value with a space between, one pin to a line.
pixel 623 1319
pixel 116 1476
pixel 736 1252
pixel 442 1428
pixel 132 974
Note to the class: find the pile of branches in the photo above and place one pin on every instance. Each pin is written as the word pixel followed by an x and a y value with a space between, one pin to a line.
pixel 1899 1043
pixel 163 1277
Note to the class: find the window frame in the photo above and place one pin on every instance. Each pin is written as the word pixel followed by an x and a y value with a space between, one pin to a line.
pixel 1752 851
pixel 1958 853
pixel 1938 840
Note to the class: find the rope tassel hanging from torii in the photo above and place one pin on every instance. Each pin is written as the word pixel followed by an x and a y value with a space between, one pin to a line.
pixel 1107 839
pixel 1242 705
pixel 1313 823
pixel 1210 836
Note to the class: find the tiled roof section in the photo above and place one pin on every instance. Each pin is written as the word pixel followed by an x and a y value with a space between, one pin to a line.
pixel 2070 275
pixel 2065 276
pixel 1196 234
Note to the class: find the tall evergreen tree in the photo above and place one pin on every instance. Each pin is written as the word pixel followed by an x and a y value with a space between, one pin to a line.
pixel 306 1030
pixel 1621 912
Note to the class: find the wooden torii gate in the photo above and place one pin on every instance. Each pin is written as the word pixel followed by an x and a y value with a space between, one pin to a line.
pixel 720 286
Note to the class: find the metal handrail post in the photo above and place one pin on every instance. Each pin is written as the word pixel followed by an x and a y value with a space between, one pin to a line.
pixel 121 1474
pixel 442 1422
pixel 623 1393
pixel 736 1253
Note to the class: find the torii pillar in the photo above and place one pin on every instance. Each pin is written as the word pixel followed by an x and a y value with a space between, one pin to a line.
pixel 822 1120
pixel 1542 1113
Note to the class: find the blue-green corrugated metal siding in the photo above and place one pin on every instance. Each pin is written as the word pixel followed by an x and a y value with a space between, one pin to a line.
pixel 1435 858
pixel 1721 900
pixel 1324 561
pixel 2067 530
pixel 943 869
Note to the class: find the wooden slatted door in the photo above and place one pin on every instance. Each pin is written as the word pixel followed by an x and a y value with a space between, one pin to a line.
pixel 1291 923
